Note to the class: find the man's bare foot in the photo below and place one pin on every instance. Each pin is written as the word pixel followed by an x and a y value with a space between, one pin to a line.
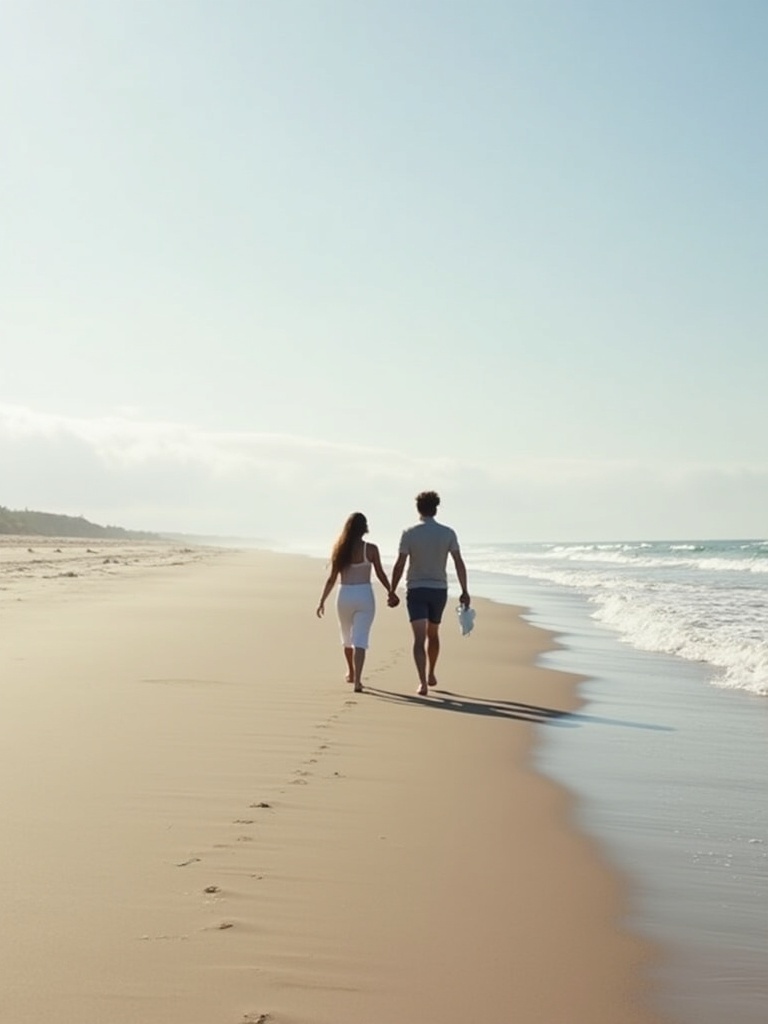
pixel 432 681
pixel 358 687
pixel 422 690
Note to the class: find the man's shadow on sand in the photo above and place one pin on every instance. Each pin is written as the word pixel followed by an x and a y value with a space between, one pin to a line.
pixel 446 700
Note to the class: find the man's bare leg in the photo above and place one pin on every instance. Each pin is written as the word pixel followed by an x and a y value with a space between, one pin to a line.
pixel 419 628
pixel 433 651
pixel 348 655
pixel 359 659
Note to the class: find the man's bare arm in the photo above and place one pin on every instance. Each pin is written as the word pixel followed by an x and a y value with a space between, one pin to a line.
pixel 461 573
pixel 397 570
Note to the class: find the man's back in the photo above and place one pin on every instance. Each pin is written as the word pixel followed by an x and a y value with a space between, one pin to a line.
pixel 428 545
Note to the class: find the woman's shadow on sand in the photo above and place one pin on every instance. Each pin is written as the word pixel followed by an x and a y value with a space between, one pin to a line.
pixel 446 700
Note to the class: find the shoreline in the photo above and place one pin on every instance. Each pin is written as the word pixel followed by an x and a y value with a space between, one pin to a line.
pixel 241 835
pixel 666 778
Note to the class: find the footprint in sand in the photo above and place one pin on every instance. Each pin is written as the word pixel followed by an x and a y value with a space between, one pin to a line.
pixel 243 821
pixel 261 803
pixel 257 1018
pixel 222 926
pixel 186 863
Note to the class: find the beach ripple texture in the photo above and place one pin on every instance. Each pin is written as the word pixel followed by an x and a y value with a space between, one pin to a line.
pixel 705 601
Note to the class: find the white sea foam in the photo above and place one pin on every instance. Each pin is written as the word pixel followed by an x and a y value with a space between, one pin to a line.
pixel 625 555
pixel 702 601
pixel 682 628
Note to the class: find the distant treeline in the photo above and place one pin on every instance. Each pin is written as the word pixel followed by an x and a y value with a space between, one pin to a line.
pixel 48 524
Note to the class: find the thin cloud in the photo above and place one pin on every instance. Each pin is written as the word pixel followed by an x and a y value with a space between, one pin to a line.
pixel 153 474
pixel 128 439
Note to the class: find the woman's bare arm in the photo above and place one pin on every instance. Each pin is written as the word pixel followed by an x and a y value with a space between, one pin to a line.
pixel 375 557
pixel 326 591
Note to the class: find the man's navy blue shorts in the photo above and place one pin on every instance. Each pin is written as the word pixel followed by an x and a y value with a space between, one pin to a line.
pixel 426 603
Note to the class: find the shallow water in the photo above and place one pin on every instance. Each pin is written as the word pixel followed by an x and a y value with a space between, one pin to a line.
pixel 670 775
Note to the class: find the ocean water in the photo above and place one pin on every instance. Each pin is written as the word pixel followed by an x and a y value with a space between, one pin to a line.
pixel 668 758
pixel 704 601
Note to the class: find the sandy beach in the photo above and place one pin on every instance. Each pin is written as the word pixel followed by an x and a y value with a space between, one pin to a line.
pixel 204 825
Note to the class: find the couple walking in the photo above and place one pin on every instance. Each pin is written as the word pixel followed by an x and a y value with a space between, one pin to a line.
pixel 425 548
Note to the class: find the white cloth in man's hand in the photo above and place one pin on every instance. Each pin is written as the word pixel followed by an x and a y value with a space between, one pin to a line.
pixel 466 619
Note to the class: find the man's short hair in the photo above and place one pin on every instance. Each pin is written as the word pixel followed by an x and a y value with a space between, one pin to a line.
pixel 427 503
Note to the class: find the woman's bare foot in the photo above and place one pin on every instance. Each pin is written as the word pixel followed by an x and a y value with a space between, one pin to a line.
pixel 349 658
pixel 422 690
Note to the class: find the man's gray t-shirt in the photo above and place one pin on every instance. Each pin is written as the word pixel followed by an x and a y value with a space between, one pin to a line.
pixel 428 545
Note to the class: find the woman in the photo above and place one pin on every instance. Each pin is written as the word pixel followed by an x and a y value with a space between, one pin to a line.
pixel 351 562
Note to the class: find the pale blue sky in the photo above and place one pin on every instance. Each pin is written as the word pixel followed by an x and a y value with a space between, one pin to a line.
pixel 265 262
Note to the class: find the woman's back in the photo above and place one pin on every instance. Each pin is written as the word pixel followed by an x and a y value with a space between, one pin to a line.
pixel 359 570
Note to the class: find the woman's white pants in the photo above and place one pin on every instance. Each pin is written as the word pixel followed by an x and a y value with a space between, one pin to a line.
pixel 355 607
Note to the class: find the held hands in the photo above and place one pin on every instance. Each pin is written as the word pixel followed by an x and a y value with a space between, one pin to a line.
pixel 392 599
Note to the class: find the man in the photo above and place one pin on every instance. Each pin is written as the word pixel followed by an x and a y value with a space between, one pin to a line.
pixel 426 547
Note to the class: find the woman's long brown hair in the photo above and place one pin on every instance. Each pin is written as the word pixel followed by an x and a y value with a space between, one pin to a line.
pixel 353 530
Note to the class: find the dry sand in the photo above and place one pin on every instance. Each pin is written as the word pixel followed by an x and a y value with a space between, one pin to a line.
pixel 204 825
